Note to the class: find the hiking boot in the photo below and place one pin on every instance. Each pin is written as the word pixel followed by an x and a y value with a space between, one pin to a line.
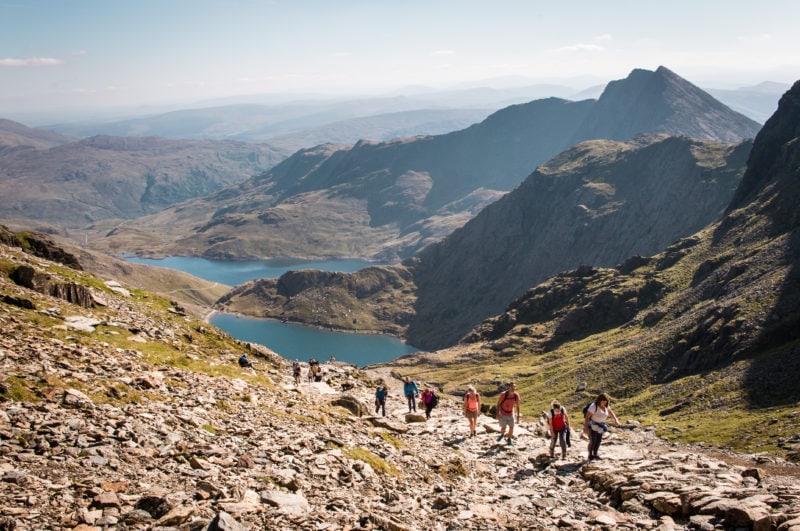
pixel 511 442
pixel 500 438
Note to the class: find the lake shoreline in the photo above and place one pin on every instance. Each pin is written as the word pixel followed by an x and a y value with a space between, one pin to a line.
pixel 214 312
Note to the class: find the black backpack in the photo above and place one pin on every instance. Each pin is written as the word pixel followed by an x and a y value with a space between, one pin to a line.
pixel 434 400
pixel 586 408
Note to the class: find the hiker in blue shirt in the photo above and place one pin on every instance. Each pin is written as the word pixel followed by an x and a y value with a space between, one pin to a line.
pixel 245 363
pixel 411 391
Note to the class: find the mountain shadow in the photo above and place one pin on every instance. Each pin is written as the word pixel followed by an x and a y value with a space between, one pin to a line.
pixel 595 204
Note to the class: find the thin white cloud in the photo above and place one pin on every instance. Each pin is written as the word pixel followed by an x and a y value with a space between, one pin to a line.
pixel 605 37
pixel 341 54
pixel 443 52
pixel 580 48
pixel 30 62
pixel 77 53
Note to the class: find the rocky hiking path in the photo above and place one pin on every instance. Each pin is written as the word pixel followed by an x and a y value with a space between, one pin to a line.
pixel 201 452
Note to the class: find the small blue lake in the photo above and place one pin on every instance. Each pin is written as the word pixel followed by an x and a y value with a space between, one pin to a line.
pixel 303 342
pixel 289 340
pixel 234 273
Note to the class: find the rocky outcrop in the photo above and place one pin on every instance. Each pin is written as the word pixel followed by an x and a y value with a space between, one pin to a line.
pixel 43 246
pixel 373 298
pixel 72 292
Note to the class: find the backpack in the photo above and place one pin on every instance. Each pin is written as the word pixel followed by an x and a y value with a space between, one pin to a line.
pixel 506 397
pixel 586 408
pixel 434 400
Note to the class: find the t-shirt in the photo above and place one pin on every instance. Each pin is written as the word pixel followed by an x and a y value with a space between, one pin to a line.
pixel 598 414
pixel 558 420
pixel 507 403
pixel 472 401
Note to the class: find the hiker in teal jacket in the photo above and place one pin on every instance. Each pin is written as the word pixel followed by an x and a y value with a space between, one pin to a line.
pixel 411 391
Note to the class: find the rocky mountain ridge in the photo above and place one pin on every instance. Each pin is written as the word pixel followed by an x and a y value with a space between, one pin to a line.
pixel 139 418
pixel 387 200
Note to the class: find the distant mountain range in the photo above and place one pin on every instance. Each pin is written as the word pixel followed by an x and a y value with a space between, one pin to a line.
pixel 388 200
pixel 51 181
pixel 309 120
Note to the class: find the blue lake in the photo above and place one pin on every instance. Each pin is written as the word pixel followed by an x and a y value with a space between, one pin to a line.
pixel 289 340
pixel 304 342
pixel 234 273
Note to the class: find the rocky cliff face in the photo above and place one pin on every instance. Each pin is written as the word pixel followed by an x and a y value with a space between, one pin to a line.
pixel 143 420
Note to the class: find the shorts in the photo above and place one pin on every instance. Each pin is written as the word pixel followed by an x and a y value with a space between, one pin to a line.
pixel 471 414
pixel 505 421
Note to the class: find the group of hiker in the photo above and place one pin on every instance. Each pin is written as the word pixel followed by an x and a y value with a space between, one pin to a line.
pixel 315 370
pixel 507 411
pixel 595 414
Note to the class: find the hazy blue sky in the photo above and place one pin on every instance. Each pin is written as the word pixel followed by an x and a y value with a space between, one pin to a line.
pixel 84 53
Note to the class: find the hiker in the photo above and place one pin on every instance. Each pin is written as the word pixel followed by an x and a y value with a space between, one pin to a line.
pixel 507 405
pixel 558 422
pixel 429 400
pixel 472 408
pixel 411 391
pixel 296 372
pixel 313 369
pixel 245 363
pixel 594 423
pixel 380 398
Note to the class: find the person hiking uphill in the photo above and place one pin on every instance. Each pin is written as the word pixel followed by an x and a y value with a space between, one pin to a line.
pixel 594 424
pixel 558 422
pixel 472 408
pixel 429 400
pixel 380 399
pixel 507 405
pixel 411 391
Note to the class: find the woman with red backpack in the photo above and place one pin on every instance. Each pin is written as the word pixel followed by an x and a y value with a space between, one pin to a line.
pixel 558 422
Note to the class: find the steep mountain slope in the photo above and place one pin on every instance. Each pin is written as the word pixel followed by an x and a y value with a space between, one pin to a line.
pixel 597 203
pixel 594 204
pixel 48 179
pixel 411 192
pixel 704 336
